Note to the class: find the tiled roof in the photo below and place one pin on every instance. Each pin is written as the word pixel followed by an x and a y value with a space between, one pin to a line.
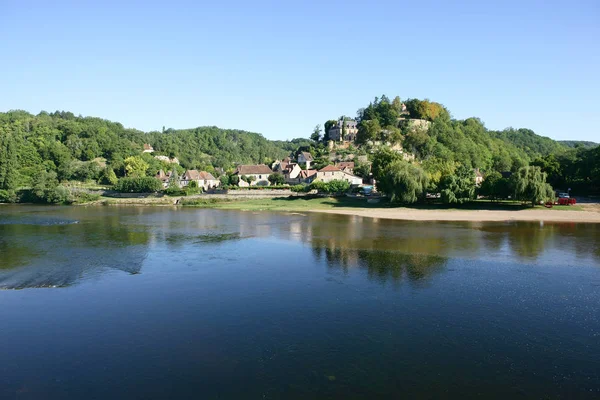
pixel 345 164
pixel 307 156
pixel 307 173
pixel 329 168
pixel 161 175
pixel 253 169
pixel 194 175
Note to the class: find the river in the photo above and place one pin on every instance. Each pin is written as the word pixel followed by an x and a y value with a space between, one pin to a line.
pixel 134 302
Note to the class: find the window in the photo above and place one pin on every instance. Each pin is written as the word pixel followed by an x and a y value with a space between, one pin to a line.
pixel 260 177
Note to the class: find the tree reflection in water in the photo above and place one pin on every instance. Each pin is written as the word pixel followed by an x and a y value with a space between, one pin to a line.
pixel 381 265
pixel 59 255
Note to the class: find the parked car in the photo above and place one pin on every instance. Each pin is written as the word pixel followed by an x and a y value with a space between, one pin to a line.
pixel 563 195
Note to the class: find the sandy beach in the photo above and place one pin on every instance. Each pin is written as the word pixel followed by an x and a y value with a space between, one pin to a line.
pixel 590 215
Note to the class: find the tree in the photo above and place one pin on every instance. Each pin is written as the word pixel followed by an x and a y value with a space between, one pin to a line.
pixel 316 135
pixel 276 179
pixel 494 186
pixel 458 187
pixel 362 169
pixel 44 181
pixel 368 130
pixel 403 182
pixel 224 180
pixel 8 161
pixel 173 186
pixel 193 188
pixel 381 159
pixel 530 185
pixel 135 167
pixel 326 127
pixel 108 176
pixel 234 179
pixel 436 168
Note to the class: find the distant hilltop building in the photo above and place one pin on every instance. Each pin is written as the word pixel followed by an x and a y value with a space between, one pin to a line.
pixel 343 131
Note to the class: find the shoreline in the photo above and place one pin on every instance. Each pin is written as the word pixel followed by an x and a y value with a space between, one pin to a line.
pixel 584 213
pixel 533 215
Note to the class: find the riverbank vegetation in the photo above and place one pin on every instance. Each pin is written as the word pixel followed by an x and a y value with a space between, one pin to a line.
pixel 413 149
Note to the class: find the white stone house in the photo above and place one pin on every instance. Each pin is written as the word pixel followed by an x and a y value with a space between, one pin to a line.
pixel 204 179
pixel 305 158
pixel 260 173
pixel 331 173
pixel 292 173
pixel 148 148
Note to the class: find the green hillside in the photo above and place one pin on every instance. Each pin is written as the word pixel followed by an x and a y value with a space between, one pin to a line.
pixel 66 144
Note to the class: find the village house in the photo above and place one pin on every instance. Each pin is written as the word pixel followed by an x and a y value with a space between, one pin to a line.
pixel 164 178
pixel 343 133
pixel 346 166
pixel 331 173
pixel 259 174
pixel 291 173
pixel 148 148
pixel 307 176
pixel 305 158
pixel 203 179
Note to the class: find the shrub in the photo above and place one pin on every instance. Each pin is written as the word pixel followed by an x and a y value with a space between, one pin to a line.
pixel 85 197
pixel 335 186
pixel 192 188
pixel 108 176
pixel 276 179
pixel 300 188
pixel 175 191
pixel 145 184
pixel 8 196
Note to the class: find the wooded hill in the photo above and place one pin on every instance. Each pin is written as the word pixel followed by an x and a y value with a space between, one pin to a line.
pixel 67 144
pixel 77 148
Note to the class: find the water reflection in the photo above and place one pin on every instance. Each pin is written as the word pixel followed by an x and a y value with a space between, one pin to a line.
pixel 55 247
pixel 381 265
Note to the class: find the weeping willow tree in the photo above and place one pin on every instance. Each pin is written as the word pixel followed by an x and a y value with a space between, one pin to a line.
pixel 403 182
pixel 530 185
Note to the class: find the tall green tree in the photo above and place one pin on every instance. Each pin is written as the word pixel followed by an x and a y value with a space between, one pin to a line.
pixel 8 161
pixel 458 187
pixel 136 167
pixel 316 135
pixel 326 127
pixel 403 182
pixel 531 186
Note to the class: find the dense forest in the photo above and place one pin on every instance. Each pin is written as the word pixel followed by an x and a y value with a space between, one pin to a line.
pixel 77 148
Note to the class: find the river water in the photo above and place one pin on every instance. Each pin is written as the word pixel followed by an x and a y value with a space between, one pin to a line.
pixel 123 302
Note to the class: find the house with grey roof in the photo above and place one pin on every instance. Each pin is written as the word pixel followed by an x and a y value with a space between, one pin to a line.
pixel 305 158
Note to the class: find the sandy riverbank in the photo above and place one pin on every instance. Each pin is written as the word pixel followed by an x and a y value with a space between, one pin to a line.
pixel 589 212
pixel 589 216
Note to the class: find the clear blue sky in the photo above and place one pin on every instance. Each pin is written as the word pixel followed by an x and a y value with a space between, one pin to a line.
pixel 281 67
